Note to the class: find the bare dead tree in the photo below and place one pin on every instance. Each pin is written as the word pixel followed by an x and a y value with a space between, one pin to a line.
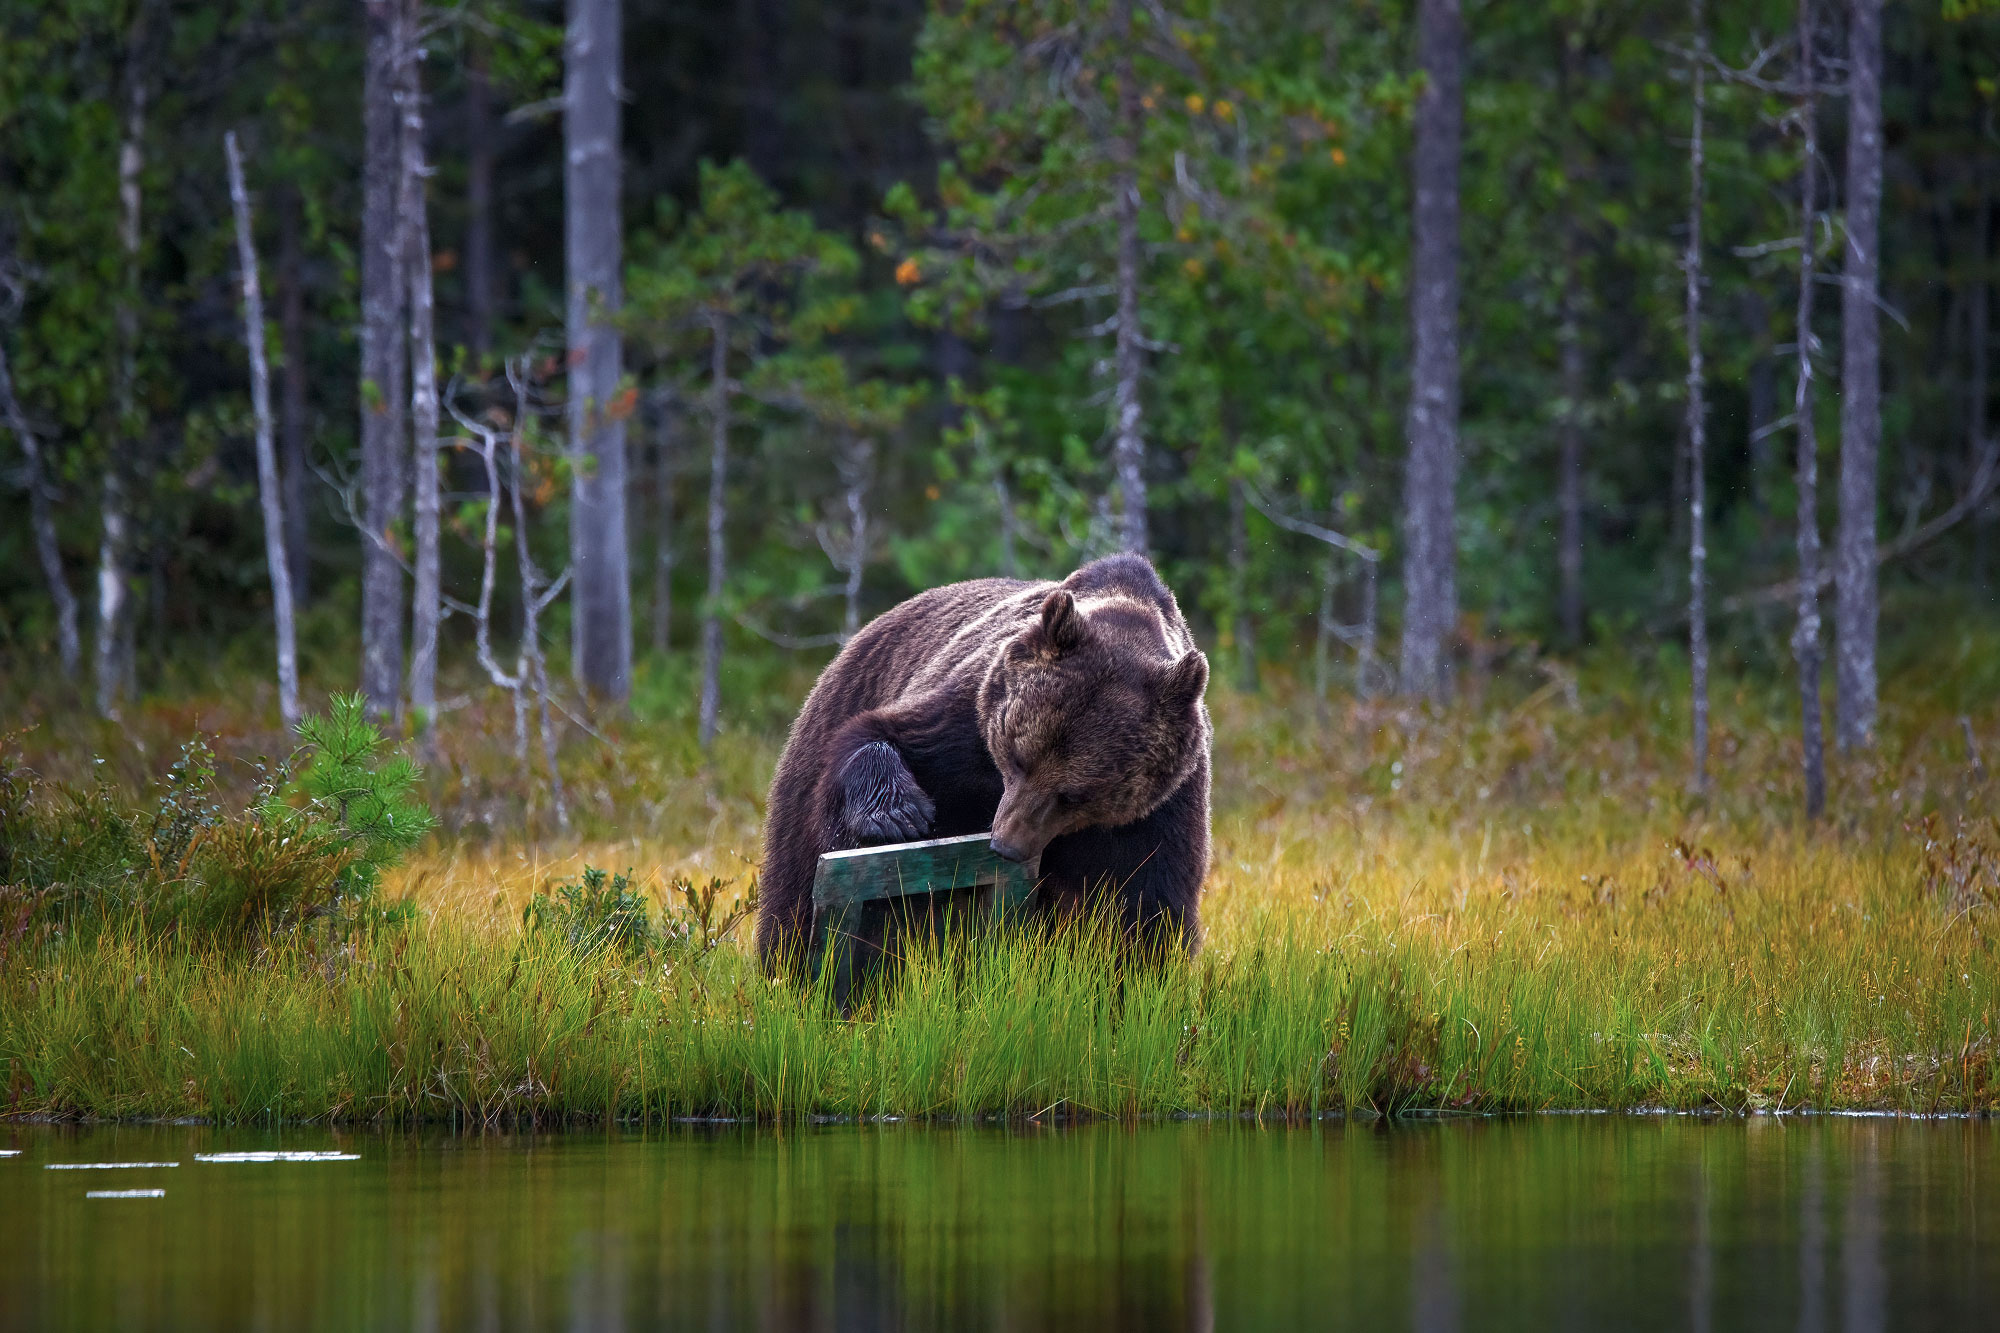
pixel 1240 629
pixel 1856 603
pixel 383 359
pixel 41 520
pixel 1129 445
pixel 114 553
pixel 269 486
pixel 665 553
pixel 1572 371
pixel 1431 476
pixel 1697 417
pixel 292 467
pixel 1806 634
pixel 530 678
pixel 426 607
pixel 849 555
pixel 1361 636
pixel 718 514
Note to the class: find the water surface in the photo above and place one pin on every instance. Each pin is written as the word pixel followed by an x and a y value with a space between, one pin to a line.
pixel 1547 1223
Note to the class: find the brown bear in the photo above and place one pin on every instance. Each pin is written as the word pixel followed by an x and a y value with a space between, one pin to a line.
pixel 1065 717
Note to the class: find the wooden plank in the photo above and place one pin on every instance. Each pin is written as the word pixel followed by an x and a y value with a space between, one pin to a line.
pixel 935 865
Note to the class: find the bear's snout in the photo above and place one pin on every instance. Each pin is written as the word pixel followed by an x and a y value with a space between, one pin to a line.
pixel 1021 826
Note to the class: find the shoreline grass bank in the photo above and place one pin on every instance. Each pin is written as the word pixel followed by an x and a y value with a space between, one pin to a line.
pixel 1822 977
pixel 1510 905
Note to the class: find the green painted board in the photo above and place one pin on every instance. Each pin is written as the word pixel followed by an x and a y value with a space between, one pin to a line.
pixel 936 865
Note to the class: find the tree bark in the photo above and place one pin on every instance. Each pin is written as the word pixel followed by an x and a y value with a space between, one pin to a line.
pixel 41 518
pixel 718 512
pixel 1980 318
pixel 427 589
pixel 268 484
pixel 663 537
pixel 479 154
pixel 114 552
pixel 857 469
pixel 1697 419
pixel 1129 447
pixel 601 599
pixel 1241 631
pixel 1855 587
pixel 383 362
pixel 1806 635
pixel 1430 480
pixel 1569 555
pixel 292 465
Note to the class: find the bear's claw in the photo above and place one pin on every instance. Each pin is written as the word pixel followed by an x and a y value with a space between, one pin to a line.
pixel 881 800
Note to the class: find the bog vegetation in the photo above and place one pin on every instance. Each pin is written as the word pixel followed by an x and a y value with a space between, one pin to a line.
pixel 1512 904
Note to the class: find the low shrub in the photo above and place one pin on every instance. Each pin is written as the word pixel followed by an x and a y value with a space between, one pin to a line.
pixel 325 825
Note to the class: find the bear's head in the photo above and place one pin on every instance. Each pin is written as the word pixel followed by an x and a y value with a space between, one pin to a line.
pixel 1091 720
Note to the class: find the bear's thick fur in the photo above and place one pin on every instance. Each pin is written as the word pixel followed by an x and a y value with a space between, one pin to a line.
pixel 1066 717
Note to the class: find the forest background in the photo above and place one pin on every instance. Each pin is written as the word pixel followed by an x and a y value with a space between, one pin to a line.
pixel 884 295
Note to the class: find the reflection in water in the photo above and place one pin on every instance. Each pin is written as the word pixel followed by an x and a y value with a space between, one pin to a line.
pixel 1542 1223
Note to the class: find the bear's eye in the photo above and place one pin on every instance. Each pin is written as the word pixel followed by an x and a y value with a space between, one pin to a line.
pixel 1072 797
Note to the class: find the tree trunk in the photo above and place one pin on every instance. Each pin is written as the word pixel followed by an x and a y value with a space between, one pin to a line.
pixel 1569 485
pixel 69 644
pixel 663 539
pixel 857 468
pixel 382 360
pixel 427 586
pixel 1430 481
pixel 268 485
pixel 1129 447
pixel 1697 419
pixel 293 469
pixel 601 597
pixel 114 552
pixel 718 511
pixel 1805 636
pixel 1975 441
pixel 479 153
pixel 1240 630
pixel 1855 582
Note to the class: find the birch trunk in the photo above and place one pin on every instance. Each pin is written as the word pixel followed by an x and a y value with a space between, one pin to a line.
pixel 69 644
pixel 1806 635
pixel 1697 418
pixel 718 500
pixel 601 600
pixel 416 249
pixel 114 551
pixel 1129 447
pixel 1430 481
pixel 268 484
pixel 479 152
pixel 292 394
pixel 1569 484
pixel 857 467
pixel 1855 582
pixel 663 538
pixel 1240 629
pixel 383 362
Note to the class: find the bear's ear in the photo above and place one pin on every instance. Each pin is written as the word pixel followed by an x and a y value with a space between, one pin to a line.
pixel 1181 685
pixel 1062 623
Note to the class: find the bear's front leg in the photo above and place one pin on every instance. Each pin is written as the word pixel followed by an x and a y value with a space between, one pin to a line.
pixel 880 800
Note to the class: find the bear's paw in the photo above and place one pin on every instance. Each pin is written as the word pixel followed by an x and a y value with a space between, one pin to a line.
pixel 880 799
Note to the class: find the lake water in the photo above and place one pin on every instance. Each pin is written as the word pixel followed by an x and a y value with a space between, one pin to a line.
pixel 1549 1222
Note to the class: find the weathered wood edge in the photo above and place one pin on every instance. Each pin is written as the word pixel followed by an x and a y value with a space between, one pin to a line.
pixel 935 865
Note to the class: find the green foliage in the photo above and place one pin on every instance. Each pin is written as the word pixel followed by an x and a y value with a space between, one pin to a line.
pixel 340 786
pixel 598 912
pixel 312 848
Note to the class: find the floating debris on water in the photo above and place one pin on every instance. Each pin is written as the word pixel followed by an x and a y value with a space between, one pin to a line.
pixel 125 1194
pixel 102 1166
pixel 277 1157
